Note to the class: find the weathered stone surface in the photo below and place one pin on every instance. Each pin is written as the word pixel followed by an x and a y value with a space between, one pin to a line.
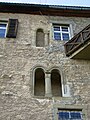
pixel 19 56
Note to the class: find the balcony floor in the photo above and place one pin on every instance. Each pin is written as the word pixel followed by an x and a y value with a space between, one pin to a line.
pixel 82 53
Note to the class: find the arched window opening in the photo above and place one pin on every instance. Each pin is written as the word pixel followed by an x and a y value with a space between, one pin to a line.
pixel 56 83
pixel 39 89
pixel 40 38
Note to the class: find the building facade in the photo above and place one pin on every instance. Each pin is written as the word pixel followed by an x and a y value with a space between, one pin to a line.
pixel 38 80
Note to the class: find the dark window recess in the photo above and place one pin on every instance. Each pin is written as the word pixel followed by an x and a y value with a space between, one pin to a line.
pixel 40 38
pixel 56 83
pixel 12 28
pixel 39 89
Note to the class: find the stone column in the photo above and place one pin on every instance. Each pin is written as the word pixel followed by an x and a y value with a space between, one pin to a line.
pixel 48 91
pixel 46 38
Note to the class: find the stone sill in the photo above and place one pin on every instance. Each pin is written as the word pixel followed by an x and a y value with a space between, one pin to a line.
pixel 53 98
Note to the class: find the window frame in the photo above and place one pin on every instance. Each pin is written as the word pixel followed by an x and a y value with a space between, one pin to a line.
pixel 11 28
pixel 5 28
pixel 69 112
pixel 75 107
pixel 61 32
pixel 35 81
pixel 56 72
pixel 37 36
pixel 65 87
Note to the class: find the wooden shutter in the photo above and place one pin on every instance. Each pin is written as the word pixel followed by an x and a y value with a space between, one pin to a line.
pixel 12 28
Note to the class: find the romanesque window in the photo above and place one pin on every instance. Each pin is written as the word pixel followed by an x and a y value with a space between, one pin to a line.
pixel 61 32
pixel 56 83
pixel 39 89
pixel 40 42
pixel 8 29
pixel 49 83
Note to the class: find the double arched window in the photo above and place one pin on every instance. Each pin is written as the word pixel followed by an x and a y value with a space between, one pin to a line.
pixel 47 83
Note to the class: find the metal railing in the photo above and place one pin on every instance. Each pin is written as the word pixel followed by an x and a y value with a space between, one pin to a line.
pixel 77 41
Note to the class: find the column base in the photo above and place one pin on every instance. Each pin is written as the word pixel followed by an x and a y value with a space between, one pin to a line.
pixel 48 95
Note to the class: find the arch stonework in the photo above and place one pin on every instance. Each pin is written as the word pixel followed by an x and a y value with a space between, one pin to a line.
pixel 46 36
pixel 40 38
pixel 47 72
pixel 63 80
pixel 33 69
pixel 56 83
pixel 39 82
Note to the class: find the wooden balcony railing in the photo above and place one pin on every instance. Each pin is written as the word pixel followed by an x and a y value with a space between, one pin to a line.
pixel 77 41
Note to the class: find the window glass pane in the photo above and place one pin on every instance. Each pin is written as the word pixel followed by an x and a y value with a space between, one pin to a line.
pixel 70 115
pixel 75 115
pixel 3 25
pixel 56 28
pixel 2 33
pixel 57 36
pixel 63 115
pixel 65 36
pixel 61 32
pixel 65 29
pixel 2 30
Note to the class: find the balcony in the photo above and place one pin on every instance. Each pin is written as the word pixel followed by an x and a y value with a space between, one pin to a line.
pixel 79 46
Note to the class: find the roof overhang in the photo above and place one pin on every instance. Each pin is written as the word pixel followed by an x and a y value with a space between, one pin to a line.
pixel 38 9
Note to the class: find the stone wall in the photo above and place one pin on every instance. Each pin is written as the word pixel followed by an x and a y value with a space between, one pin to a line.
pixel 19 57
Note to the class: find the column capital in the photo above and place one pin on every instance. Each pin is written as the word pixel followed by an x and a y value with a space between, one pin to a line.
pixel 47 72
pixel 46 32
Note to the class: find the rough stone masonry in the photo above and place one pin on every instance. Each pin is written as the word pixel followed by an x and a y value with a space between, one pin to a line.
pixel 19 57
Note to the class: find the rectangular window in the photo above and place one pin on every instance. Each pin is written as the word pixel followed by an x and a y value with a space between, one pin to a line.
pixel 61 32
pixel 8 28
pixel 3 27
pixel 70 115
